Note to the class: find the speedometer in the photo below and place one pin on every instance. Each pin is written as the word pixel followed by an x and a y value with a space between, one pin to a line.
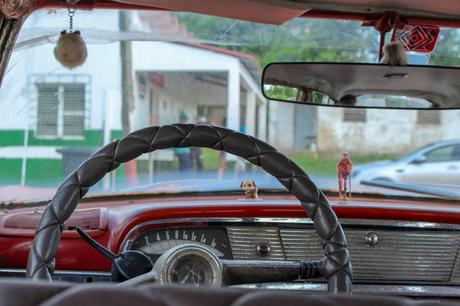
pixel 158 241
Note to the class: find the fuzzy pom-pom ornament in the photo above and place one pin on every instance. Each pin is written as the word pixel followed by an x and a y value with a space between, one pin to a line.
pixel 394 54
pixel 70 50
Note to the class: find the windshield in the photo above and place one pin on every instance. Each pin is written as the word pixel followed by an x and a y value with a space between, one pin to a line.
pixel 154 68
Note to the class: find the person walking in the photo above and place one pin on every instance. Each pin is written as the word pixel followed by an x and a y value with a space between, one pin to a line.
pixel 195 152
pixel 183 154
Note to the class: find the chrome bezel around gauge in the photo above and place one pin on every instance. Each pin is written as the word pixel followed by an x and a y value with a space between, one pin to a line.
pixel 167 263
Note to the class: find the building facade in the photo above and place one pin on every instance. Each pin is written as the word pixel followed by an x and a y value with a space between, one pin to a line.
pixel 46 108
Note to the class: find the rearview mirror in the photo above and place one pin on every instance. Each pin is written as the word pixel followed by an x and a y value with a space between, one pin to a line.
pixel 363 85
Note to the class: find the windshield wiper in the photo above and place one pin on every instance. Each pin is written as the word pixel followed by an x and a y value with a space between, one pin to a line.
pixel 416 188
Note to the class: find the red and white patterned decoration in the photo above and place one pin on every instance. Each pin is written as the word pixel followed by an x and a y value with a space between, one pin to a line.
pixel 418 38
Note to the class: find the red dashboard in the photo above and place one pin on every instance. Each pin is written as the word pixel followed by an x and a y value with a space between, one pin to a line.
pixel 109 221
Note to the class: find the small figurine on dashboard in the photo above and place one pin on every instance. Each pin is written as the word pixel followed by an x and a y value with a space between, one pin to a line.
pixel 250 189
pixel 344 167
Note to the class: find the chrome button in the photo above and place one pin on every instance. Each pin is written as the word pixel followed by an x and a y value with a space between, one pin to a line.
pixel 372 239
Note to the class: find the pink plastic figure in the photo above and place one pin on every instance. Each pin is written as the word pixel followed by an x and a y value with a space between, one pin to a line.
pixel 344 167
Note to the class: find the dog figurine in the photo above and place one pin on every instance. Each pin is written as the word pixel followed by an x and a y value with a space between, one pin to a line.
pixel 250 189
pixel 394 54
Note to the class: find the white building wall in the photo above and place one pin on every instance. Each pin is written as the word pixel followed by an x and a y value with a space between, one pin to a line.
pixel 385 131
pixel 150 56
pixel 167 108
pixel 251 104
pixel 162 56
pixel 281 116
pixel 102 65
pixel 14 95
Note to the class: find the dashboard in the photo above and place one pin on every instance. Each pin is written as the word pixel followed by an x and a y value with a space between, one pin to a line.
pixel 397 247
pixel 381 251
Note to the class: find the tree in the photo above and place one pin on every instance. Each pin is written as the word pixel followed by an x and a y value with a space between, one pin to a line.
pixel 300 39
pixel 446 52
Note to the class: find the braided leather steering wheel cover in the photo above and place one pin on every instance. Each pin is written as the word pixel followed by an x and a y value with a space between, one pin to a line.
pixel 336 263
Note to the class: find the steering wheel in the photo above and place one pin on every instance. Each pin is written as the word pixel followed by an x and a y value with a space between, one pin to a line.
pixel 335 265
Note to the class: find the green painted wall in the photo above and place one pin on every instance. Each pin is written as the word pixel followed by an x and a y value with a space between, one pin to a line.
pixel 11 138
pixel 10 171
pixel 40 171
pixel 93 138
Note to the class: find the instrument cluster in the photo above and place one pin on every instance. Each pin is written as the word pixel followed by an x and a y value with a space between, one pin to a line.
pixel 186 255
pixel 156 242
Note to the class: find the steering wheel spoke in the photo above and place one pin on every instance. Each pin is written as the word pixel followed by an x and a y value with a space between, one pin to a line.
pixel 149 277
pixel 238 272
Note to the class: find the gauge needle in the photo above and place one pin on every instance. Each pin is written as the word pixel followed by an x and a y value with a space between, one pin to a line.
pixel 196 279
pixel 187 276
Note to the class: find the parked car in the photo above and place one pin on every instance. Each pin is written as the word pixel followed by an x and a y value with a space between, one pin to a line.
pixel 435 163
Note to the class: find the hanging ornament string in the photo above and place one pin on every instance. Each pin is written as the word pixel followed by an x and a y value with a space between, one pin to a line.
pixel 70 48
pixel 72 11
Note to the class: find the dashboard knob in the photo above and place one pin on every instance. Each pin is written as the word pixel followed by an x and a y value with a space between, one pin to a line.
pixel 372 239
pixel 263 249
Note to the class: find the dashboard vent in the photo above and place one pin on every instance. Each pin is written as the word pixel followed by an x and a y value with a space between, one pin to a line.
pixel 404 255
pixel 401 255
pixel 455 278
pixel 397 256
pixel 301 244
pixel 244 241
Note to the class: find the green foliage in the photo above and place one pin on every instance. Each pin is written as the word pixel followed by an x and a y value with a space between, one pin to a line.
pixel 210 159
pixel 313 163
pixel 447 49
pixel 298 40
pixel 324 164
pixel 285 93
pixel 279 92
pixel 305 39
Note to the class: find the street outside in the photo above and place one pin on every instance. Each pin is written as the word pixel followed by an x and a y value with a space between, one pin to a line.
pixel 322 168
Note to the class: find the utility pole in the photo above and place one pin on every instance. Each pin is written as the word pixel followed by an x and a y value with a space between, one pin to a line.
pixel 127 92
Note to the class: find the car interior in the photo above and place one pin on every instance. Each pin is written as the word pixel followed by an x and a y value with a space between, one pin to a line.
pixel 241 152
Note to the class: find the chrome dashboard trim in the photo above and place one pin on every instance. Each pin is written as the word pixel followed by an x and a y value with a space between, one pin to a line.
pixel 305 221
pixel 77 272
pixel 399 223
pixel 311 287
pixel 130 234
pixel 387 289
pixel 62 274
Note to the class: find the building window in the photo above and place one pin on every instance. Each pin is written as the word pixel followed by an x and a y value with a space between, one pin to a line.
pixel 354 115
pixel 60 110
pixel 428 117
